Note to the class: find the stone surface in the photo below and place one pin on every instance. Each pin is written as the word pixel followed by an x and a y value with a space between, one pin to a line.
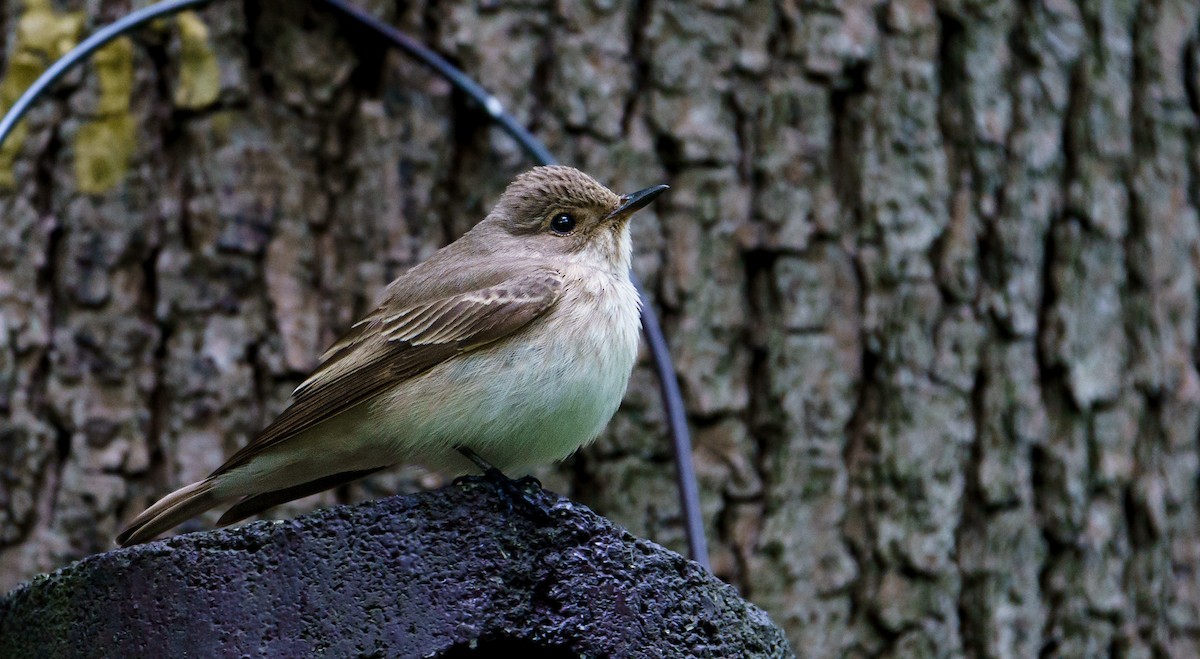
pixel 454 572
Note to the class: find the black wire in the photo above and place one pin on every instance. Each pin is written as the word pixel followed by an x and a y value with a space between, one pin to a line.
pixel 86 47
pixel 492 105
pixel 672 399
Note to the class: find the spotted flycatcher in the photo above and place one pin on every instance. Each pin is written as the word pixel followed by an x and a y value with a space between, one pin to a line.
pixel 516 342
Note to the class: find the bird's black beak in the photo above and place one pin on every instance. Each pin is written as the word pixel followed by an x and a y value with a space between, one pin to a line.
pixel 632 203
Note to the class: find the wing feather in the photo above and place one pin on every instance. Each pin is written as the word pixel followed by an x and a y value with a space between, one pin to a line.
pixel 389 346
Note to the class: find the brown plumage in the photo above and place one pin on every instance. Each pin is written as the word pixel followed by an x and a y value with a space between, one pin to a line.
pixel 455 344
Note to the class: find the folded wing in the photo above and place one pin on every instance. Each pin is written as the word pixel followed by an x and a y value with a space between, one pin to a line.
pixel 391 345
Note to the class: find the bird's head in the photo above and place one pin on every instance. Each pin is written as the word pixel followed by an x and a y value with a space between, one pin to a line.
pixel 560 211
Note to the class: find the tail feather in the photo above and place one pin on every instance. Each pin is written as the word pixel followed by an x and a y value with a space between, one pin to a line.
pixel 172 510
pixel 257 503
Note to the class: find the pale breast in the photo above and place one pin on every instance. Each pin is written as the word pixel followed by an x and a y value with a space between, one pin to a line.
pixel 532 398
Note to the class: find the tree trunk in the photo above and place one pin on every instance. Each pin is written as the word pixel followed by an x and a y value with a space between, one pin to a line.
pixel 928 270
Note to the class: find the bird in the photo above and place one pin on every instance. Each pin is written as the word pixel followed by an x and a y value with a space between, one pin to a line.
pixel 512 345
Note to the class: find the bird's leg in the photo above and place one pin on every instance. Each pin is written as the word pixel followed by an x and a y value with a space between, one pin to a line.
pixel 511 489
pixel 491 472
pixel 484 466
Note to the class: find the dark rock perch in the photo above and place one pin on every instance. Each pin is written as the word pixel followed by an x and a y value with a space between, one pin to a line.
pixel 452 573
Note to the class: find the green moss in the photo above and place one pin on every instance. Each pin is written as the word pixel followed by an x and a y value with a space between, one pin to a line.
pixel 114 69
pixel 103 149
pixel 47 33
pixel 105 145
pixel 199 74
pixel 42 36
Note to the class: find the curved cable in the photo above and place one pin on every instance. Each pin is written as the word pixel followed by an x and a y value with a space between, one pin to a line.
pixel 86 47
pixel 669 385
pixel 455 76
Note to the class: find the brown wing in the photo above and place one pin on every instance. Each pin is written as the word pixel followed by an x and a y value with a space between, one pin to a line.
pixel 391 345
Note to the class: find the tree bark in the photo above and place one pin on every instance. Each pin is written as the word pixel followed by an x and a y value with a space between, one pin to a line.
pixel 928 270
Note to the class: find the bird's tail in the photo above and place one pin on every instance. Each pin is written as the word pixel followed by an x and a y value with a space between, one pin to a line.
pixel 171 510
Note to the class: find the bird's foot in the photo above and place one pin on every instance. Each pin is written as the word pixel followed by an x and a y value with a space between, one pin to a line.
pixel 526 483
pixel 510 489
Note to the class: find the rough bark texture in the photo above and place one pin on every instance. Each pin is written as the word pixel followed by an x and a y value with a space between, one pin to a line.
pixel 463 571
pixel 929 270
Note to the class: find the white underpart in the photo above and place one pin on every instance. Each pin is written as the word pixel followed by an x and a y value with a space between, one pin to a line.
pixel 530 400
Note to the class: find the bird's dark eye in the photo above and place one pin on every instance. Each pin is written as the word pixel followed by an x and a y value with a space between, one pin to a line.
pixel 563 223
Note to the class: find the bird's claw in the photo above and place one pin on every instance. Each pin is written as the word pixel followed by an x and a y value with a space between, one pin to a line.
pixel 526 483
pixel 510 489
